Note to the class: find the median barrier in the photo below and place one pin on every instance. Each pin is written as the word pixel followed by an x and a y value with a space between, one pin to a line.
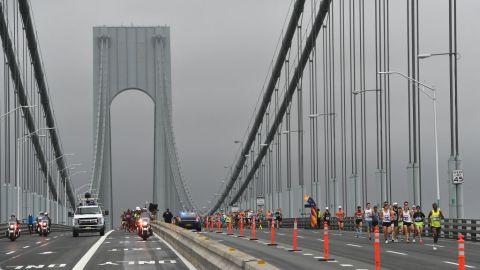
pixel 204 253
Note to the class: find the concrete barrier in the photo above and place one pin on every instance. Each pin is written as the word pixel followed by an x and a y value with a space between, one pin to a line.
pixel 204 253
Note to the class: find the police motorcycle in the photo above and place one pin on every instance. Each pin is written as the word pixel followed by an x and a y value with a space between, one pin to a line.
pixel 43 226
pixel 144 225
pixel 13 231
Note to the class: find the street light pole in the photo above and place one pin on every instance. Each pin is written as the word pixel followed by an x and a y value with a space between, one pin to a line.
pixel 433 97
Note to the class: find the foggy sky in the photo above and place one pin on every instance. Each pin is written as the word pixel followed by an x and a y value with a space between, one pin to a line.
pixel 221 51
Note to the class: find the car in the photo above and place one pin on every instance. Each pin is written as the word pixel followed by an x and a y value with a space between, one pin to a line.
pixel 189 220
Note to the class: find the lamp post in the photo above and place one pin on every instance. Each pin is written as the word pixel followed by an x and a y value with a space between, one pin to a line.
pixel 65 189
pixel 72 166
pixel 48 186
pixel 433 97
pixel 19 142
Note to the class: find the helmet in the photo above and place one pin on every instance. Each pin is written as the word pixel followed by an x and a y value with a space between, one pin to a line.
pixel 45 214
pixel 137 208
pixel 339 207
pixel 326 208
pixel 12 215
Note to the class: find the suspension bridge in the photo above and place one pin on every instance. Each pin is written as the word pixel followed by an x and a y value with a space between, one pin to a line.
pixel 346 116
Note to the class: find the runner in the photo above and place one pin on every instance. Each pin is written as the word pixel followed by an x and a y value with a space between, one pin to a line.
pixel 397 222
pixel 386 216
pixel 375 217
pixel 358 221
pixel 418 218
pixel 340 218
pixel 326 216
pixel 435 216
pixel 407 221
pixel 278 217
pixel 368 214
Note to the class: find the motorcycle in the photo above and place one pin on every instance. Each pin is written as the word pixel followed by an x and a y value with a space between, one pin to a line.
pixel 13 231
pixel 144 229
pixel 44 227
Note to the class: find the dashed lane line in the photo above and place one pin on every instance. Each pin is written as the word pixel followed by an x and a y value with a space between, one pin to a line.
pixel 187 263
pixel 26 246
pixel 398 253
pixel 86 258
pixel 353 245
pixel 453 263
pixel 346 265
pixel 10 252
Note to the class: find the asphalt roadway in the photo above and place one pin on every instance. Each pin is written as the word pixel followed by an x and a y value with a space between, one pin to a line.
pixel 348 251
pixel 117 250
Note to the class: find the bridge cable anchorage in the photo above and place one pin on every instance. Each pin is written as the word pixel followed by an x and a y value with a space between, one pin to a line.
pixel 324 9
pixel 276 72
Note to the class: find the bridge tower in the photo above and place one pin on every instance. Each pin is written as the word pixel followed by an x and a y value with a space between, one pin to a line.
pixel 126 58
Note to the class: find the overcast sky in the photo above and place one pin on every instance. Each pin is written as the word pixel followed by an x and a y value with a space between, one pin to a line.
pixel 221 51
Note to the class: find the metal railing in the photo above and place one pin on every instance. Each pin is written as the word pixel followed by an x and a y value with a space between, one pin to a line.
pixel 470 228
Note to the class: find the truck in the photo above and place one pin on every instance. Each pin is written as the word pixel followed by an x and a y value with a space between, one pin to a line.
pixel 88 217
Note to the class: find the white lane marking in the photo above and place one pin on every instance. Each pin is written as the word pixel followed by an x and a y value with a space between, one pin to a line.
pixel 38 242
pixel 45 253
pixel 398 253
pixel 346 265
pixel 353 245
pixel 281 234
pixel 187 263
pixel 307 254
pixel 318 257
pixel 26 246
pixel 11 252
pixel 55 236
pixel 435 245
pixel 86 258
pixel 320 239
pixel 299 236
pixel 453 263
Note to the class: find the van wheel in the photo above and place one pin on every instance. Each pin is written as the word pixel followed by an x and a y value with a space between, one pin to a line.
pixel 102 233
pixel 75 234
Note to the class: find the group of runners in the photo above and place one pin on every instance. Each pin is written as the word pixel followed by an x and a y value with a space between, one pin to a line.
pixel 397 220
pixel 248 216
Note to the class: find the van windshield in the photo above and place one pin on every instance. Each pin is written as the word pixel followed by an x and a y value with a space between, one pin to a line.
pixel 88 210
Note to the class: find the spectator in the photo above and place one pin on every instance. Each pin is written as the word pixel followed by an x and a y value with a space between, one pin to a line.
pixel 167 216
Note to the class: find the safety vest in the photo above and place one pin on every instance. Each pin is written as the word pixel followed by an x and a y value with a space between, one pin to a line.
pixel 435 219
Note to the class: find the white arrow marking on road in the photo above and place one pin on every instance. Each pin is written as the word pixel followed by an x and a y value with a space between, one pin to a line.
pixel 146 262
pixel 46 253
pixel 164 261
pixel 57 265
pixel 353 245
pixel 398 253
pixel 108 263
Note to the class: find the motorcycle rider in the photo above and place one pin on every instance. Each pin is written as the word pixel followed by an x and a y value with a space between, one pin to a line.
pixel 13 219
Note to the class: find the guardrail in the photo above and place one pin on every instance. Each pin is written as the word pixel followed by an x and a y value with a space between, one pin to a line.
pixel 470 228
pixel 206 254
pixel 24 228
